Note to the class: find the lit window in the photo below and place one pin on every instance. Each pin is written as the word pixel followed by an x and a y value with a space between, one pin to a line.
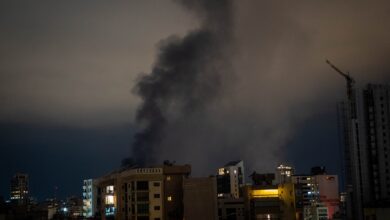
pixel 168 178
pixel 169 198
pixel 221 171
pixel 235 171
pixel 110 189
pixel 109 200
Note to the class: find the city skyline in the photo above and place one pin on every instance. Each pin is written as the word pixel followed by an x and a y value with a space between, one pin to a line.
pixel 68 72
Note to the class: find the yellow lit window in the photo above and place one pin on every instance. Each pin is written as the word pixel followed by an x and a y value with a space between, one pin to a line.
pixel 168 178
pixel 265 193
pixel 169 198
pixel 109 200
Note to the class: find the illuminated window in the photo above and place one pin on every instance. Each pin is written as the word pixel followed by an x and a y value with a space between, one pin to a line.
pixel 109 200
pixel 265 193
pixel 168 178
pixel 221 171
pixel 110 189
pixel 110 210
pixel 169 198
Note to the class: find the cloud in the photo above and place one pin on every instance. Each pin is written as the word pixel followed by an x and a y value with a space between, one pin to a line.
pixel 76 63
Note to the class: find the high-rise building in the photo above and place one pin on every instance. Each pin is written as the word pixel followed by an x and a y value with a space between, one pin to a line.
pixel 19 193
pixel 143 193
pixel 89 197
pixel 365 120
pixel 230 178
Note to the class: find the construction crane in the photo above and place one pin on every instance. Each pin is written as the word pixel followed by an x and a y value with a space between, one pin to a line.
pixel 350 87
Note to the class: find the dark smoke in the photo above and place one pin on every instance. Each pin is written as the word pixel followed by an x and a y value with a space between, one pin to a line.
pixel 187 76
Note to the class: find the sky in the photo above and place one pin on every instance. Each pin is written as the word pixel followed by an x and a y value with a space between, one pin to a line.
pixel 70 76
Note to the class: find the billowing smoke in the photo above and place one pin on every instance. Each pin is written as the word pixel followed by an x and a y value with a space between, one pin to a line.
pixel 191 111
pixel 188 76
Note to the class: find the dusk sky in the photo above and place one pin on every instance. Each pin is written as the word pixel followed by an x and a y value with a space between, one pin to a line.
pixel 71 75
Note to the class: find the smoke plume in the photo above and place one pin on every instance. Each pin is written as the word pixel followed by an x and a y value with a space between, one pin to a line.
pixel 188 76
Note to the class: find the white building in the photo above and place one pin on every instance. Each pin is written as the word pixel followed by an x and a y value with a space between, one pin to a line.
pixel 89 198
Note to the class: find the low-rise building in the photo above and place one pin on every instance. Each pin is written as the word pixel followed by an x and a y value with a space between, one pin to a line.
pixel 316 193
pixel 270 201
pixel 142 193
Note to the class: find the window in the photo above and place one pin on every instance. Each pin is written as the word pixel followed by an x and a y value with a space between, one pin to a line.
pixel 143 196
pixel 143 208
pixel 156 196
pixel 110 189
pixel 109 200
pixel 168 178
pixel 169 198
pixel 110 210
pixel 157 208
pixel 156 183
pixel 142 185
pixel 132 185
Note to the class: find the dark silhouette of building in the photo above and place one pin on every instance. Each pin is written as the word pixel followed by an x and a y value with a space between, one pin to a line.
pixel 19 192
pixel 365 120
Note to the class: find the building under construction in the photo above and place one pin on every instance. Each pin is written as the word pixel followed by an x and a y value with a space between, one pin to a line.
pixel 364 119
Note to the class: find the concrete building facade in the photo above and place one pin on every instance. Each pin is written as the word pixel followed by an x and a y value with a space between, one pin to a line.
pixel 314 194
pixel 270 202
pixel 143 193
pixel 200 198
pixel 365 119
